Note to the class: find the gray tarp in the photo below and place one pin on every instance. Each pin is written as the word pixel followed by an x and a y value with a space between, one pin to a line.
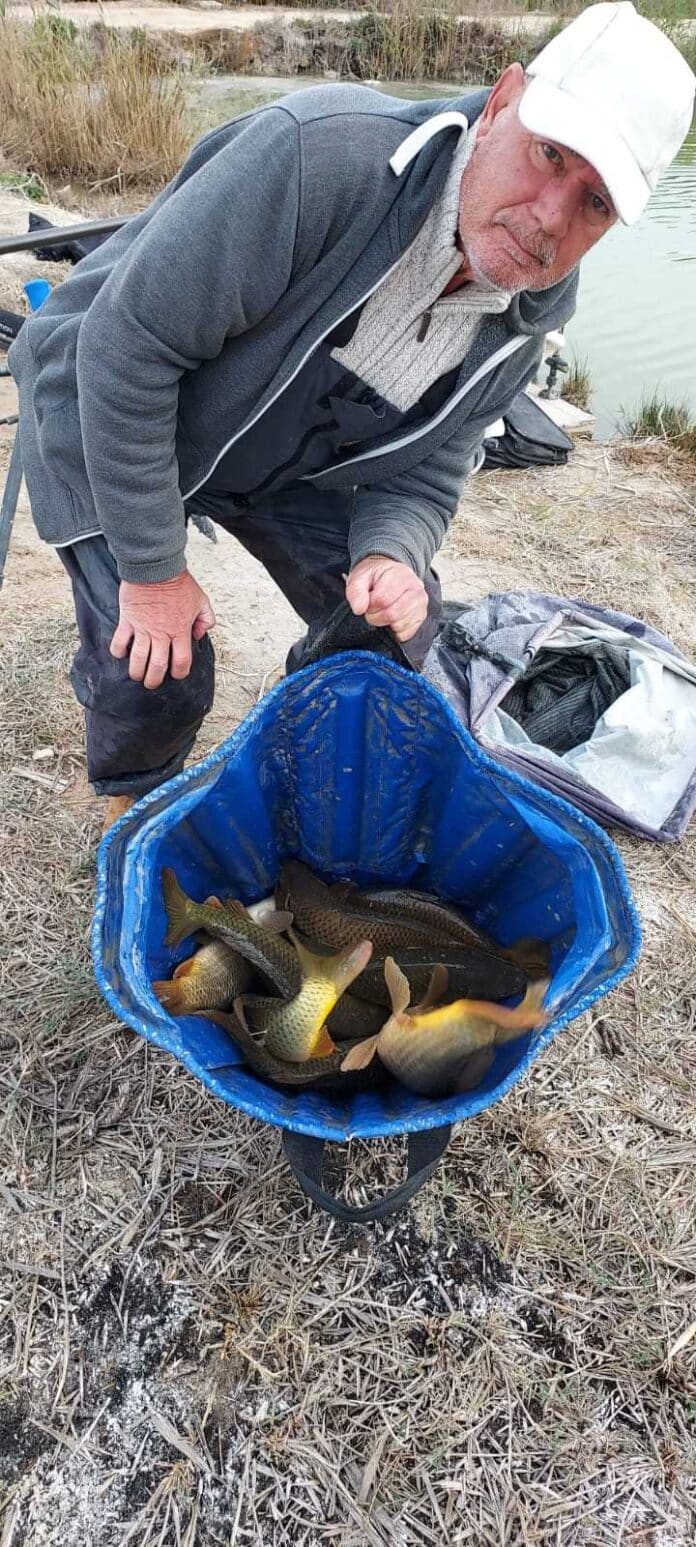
pixel 636 768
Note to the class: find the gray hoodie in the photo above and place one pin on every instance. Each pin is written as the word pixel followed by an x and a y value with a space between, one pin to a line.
pixel 172 338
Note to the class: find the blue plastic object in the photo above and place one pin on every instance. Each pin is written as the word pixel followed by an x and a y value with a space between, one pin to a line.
pixel 361 769
pixel 37 291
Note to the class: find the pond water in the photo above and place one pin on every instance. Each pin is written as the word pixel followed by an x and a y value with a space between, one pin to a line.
pixel 636 317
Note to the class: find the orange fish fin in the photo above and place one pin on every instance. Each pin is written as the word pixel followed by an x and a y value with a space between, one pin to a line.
pixel 324 1044
pixel 213 902
pixel 233 905
pixel 526 1016
pixel 361 1055
pixel 436 990
pixel 168 994
pixel 398 986
pixel 185 967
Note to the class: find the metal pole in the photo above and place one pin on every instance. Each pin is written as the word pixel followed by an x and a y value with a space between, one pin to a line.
pixel 9 503
pixel 54 236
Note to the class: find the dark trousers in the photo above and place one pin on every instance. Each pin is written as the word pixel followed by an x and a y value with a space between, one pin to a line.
pixel 138 737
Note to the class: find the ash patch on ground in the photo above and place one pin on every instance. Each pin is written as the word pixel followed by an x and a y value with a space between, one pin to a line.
pixel 448 1269
pixel 128 1321
pixel 21 1441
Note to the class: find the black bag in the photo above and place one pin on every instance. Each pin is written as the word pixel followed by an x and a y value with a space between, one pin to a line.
pixel 531 438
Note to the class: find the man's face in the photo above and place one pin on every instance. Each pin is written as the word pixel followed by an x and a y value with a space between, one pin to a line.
pixel 529 208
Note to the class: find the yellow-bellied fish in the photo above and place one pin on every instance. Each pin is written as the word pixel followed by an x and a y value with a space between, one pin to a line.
pixel 208 980
pixel 296 1030
pixel 429 1049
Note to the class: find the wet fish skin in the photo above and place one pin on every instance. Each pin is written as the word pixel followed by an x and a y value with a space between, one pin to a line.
pixel 265 1064
pixel 296 1029
pixel 472 974
pixel 210 979
pixel 349 1021
pixel 415 907
pixel 259 944
pixel 322 917
pixel 427 1051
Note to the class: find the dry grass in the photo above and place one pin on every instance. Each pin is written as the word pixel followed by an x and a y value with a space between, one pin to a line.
pixel 189 1353
pixel 93 107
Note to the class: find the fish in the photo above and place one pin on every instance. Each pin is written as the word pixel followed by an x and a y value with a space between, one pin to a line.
pixel 428 1049
pixel 210 979
pixel 350 1019
pixel 259 944
pixel 410 906
pixel 472 974
pixel 264 1063
pixel 323 917
pixel 296 1029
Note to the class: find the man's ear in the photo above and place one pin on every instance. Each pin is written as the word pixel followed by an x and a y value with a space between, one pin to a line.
pixel 508 87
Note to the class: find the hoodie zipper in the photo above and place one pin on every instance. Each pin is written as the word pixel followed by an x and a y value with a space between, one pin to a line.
pixel 245 428
pixel 405 440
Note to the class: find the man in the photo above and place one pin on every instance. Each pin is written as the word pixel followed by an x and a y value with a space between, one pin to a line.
pixel 304 337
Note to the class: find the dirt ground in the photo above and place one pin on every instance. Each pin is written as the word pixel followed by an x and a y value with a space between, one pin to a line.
pixel 189 1353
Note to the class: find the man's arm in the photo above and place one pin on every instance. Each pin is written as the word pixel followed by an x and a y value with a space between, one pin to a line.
pixel 406 518
pixel 212 263
pixel 398 525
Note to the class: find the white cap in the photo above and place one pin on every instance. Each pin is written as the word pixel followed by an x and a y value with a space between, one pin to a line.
pixel 614 89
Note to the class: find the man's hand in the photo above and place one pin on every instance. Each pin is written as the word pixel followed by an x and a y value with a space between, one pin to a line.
pixel 388 595
pixel 157 623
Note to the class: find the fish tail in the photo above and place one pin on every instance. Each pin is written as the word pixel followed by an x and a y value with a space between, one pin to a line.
pixel 361 1055
pixel 398 985
pixel 526 1016
pixel 171 994
pixel 182 911
pixel 340 970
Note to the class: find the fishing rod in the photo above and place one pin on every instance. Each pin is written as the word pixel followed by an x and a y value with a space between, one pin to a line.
pixel 55 236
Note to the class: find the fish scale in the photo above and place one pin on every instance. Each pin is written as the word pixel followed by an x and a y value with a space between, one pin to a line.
pixel 422 908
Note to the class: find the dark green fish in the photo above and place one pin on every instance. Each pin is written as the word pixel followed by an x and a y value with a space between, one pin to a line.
pixel 471 975
pixel 325 919
pixel 259 944
pixel 319 1073
pixel 409 906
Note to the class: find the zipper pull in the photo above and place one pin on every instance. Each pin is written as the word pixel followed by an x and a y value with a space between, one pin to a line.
pixel 425 322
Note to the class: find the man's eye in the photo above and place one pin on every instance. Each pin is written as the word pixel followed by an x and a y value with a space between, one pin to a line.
pixel 552 154
pixel 599 206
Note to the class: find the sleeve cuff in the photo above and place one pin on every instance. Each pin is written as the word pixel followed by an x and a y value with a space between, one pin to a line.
pixel 152 571
pixel 385 550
